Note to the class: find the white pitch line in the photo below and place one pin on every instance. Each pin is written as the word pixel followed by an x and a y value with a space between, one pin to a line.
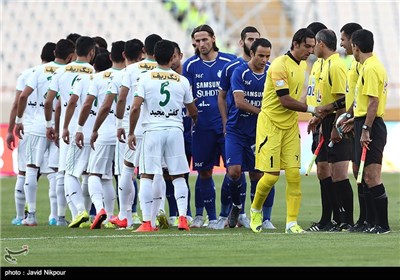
pixel 117 236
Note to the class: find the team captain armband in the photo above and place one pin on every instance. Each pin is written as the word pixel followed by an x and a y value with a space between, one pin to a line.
pixel 340 103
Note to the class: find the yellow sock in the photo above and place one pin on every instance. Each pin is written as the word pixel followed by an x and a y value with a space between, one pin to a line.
pixel 293 194
pixel 263 188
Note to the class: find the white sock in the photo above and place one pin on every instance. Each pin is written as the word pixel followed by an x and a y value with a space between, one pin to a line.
pixel 61 199
pixel 30 188
pixel 96 192
pixel 181 195
pixel 19 196
pixel 75 192
pixel 51 177
pixel 125 191
pixel 146 198
pixel 109 196
pixel 159 181
pixel 85 192
pixel 158 188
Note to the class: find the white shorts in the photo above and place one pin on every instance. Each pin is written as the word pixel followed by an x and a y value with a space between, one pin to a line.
pixel 42 152
pixel 133 156
pixel 168 143
pixel 77 160
pixel 119 157
pixel 62 155
pixel 22 154
pixel 101 160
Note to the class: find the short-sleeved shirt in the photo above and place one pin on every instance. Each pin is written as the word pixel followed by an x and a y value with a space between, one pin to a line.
pixel 373 81
pixel 284 73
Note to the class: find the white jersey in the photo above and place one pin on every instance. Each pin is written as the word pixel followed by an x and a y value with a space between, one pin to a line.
pixel 31 102
pixel 164 93
pixel 98 88
pixel 39 81
pixel 129 80
pixel 81 88
pixel 62 82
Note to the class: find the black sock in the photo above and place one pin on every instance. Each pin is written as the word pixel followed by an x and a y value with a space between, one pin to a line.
pixel 345 193
pixel 361 203
pixel 325 185
pixel 334 201
pixel 380 202
pixel 369 206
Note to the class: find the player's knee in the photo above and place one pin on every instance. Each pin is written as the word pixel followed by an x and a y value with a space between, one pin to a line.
pixel 292 175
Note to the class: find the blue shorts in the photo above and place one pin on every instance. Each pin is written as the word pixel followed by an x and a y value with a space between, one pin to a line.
pixel 207 148
pixel 238 150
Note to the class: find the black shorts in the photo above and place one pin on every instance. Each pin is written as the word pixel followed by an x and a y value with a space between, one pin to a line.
pixel 341 151
pixel 378 135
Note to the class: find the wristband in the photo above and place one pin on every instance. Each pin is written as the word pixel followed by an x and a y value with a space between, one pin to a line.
pixel 311 109
pixel 18 120
pixel 79 129
pixel 49 124
pixel 119 123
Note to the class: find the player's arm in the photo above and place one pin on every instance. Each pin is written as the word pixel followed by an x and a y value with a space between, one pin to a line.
pixel 48 111
pixel 21 106
pixel 222 107
pixel 57 115
pixel 69 112
pixel 292 104
pixel 10 139
pixel 243 105
pixel 83 116
pixel 120 110
pixel 192 111
pixel 133 119
pixel 372 109
pixel 101 116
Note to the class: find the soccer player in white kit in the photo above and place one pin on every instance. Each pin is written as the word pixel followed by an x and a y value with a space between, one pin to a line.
pixel 163 92
pixel 60 85
pixel 47 55
pixel 133 52
pixel 42 153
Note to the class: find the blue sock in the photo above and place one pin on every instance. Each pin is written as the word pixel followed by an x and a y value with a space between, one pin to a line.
pixel 226 200
pixel 243 190
pixel 208 193
pixel 134 205
pixel 189 212
pixel 269 202
pixel 198 198
pixel 234 187
pixel 170 196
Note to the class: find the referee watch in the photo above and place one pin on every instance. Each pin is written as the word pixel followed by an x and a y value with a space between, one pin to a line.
pixel 348 116
pixel 366 127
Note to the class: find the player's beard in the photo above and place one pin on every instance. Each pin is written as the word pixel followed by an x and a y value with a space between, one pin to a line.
pixel 246 50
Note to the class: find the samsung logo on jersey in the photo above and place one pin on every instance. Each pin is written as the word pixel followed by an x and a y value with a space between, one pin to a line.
pixel 206 93
pixel 214 84
pixel 254 93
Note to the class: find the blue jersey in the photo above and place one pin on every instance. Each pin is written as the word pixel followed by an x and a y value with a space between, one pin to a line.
pixel 204 77
pixel 227 72
pixel 252 85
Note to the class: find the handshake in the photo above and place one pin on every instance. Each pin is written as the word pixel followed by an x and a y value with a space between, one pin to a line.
pixel 322 111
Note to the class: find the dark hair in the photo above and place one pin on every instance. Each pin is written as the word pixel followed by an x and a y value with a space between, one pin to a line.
pixel 73 37
pixel 260 42
pixel 248 29
pixel 349 28
pixel 47 54
pixel 364 39
pixel 102 62
pixel 64 48
pixel 100 42
pixel 84 45
pixel 327 36
pixel 176 46
pixel 209 30
pixel 316 26
pixel 116 51
pixel 150 42
pixel 133 49
pixel 301 35
pixel 163 51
